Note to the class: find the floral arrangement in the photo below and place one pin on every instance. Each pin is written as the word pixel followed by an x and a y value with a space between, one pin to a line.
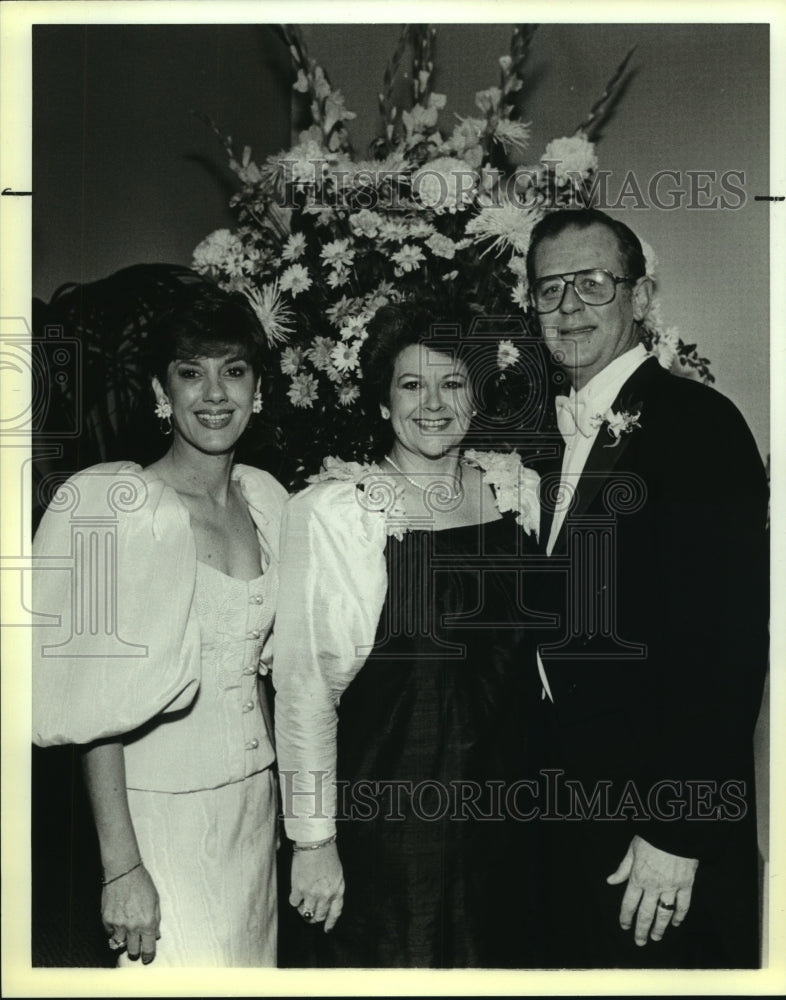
pixel 324 239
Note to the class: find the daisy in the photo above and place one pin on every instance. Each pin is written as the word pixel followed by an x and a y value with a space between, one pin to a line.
pixel 348 393
pixel 337 254
pixel 355 327
pixel 291 360
pixel 319 353
pixel 507 354
pixel 295 280
pixel 295 247
pixel 345 356
pixel 408 258
pixel 303 391
pixel 519 294
pixel 339 310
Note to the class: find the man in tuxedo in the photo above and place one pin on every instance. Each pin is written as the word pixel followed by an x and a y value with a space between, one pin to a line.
pixel 655 511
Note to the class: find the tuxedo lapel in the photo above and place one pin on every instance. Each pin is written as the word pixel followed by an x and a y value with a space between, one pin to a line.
pixel 607 452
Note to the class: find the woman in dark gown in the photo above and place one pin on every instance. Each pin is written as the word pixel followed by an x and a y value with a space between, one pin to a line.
pixel 402 673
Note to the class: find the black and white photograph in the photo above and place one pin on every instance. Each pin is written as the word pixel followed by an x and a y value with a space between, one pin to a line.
pixel 390 601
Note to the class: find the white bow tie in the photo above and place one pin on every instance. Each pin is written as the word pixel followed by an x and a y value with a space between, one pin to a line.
pixel 574 414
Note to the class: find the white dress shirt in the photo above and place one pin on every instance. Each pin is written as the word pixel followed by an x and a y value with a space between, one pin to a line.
pixel 588 406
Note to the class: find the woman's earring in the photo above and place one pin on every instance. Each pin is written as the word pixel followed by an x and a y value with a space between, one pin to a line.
pixel 164 413
pixel 385 412
pixel 256 406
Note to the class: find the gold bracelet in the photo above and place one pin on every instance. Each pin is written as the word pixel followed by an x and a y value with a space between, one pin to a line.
pixel 315 847
pixel 109 881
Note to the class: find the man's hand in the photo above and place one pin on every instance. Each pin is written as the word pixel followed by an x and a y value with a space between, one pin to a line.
pixel 654 877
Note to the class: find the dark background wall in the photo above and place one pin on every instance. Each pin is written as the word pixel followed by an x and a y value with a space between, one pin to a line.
pixel 123 173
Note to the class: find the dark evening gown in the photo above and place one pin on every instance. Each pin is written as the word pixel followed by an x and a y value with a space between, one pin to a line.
pixel 432 735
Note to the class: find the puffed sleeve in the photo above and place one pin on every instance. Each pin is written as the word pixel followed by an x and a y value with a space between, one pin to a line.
pixel 114 642
pixel 333 585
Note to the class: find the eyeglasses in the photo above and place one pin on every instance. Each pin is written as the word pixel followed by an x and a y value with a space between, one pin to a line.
pixel 596 287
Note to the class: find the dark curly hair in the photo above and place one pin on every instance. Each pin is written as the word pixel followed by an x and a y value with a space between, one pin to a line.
pixel 555 223
pixel 396 327
pixel 204 321
pixel 445 327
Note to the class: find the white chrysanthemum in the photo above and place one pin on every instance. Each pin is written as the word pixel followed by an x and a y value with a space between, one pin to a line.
pixel 408 258
pixel 507 354
pixel 319 352
pixel 295 280
pixel 518 265
pixel 570 156
pixel 445 185
pixel 512 135
pixel 506 225
pixel 519 294
pixel 291 360
pixel 345 356
pixel 355 327
pixel 393 231
pixel 339 310
pixel 303 391
pixel 337 254
pixel 295 247
pixel 419 229
pixel 348 393
pixel 338 278
pixel 277 319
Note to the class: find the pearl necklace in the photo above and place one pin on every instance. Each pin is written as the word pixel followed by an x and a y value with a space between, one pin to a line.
pixel 424 489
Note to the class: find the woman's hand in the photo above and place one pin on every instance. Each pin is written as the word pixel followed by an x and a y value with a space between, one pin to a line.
pixel 318 885
pixel 131 914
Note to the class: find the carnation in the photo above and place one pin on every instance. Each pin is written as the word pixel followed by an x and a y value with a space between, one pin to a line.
pixel 445 185
pixel 570 156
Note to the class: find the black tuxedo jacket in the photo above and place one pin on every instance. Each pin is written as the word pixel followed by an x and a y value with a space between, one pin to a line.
pixel 659 576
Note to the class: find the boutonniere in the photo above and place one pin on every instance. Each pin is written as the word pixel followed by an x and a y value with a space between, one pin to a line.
pixel 619 423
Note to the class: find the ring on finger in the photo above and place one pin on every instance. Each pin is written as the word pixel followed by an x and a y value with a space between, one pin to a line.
pixel 667 906
pixel 308 914
pixel 116 945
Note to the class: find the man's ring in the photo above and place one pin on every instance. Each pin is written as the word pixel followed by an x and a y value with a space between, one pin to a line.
pixel 116 945
pixel 308 915
pixel 667 906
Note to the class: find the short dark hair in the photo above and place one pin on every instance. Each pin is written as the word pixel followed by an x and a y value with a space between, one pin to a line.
pixel 396 327
pixel 555 223
pixel 204 321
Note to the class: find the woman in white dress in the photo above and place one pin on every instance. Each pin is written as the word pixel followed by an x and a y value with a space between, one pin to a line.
pixel 155 591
